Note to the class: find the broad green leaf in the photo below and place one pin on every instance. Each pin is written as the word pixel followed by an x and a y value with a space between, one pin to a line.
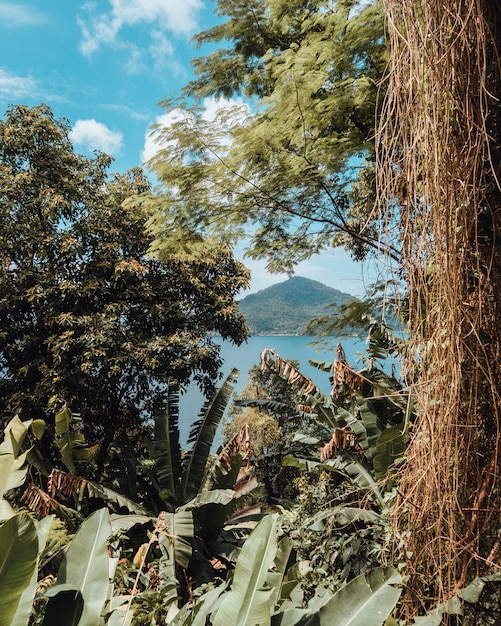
pixel 18 562
pixel 354 468
pixel 370 420
pixel 12 465
pixel 180 532
pixel 38 428
pixel 434 617
pixel 389 447
pixel 25 604
pixel 290 460
pixel 69 440
pixel 124 522
pixel 472 592
pixel 96 490
pixel 365 601
pixel 248 602
pixel 341 515
pixel 85 568
pixel 15 432
pixel 166 447
pixel 214 496
pixel 202 437
pixel 276 578
pixel 12 471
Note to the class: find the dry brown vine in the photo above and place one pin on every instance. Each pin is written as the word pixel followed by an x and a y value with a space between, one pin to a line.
pixel 439 151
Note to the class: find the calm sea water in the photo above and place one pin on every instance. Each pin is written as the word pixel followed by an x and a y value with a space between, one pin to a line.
pixel 288 347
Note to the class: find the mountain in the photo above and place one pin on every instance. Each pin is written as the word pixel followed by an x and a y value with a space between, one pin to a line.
pixel 286 308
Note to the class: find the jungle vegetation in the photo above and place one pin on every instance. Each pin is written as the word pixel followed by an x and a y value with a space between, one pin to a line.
pixel 370 125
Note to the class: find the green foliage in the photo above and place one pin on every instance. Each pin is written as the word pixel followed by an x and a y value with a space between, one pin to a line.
pixel 87 317
pixel 13 465
pixel 365 601
pixel 82 582
pixel 181 477
pixel 18 562
pixel 69 439
pixel 24 608
pixel 248 602
pixel 266 589
pixel 282 174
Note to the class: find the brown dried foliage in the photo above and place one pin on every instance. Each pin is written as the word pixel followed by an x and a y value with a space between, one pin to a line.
pixel 439 166
pixel 342 439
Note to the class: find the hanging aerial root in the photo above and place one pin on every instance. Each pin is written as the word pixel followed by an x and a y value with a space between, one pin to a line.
pixel 439 160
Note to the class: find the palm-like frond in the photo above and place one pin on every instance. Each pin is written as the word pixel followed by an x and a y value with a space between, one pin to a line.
pixel 202 436
pixel 167 449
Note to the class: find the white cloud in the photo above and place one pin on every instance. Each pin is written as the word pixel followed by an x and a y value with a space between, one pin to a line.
pixel 104 28
pixel 14 87
pixel 12 14
pixel 94 135
pixel 212 107
pixel 151 147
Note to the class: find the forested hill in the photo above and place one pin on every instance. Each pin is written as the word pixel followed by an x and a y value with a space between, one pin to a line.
pixel 286 308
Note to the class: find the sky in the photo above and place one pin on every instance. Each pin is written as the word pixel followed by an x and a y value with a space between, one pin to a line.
pixel 104 65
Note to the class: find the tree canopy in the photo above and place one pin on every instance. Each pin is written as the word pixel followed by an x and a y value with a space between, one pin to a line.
pixel 86 317
pixel 291 169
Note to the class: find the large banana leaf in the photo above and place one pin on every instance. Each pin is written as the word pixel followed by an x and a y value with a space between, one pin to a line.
pixel 248 602
pixel 180 532
pixel 23 611
pixel 12 464
pixel 369 417
pixel 202 436
pixel 167 449
pixel 351 464
pixel 14 434
pixel 18 561
pixel 84 570
pixel 96 490
pixel 390 446
pixel 69 439
pixel 365 601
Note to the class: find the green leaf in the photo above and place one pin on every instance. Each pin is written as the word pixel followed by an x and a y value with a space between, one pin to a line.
pixel 434 617
pixel 180 531
pixel 370 420
pixel 23 612
pixel 15 432
pixel 18 562
pixel 85 568
pixel 166 447
pixel 248 602
pixel 202 436
pixel 38 428
pixel 12 464
pixel 214 496
pixel 389 447
pixel 69 440
pixel 365 601
pixel 357 472
pixel 96 490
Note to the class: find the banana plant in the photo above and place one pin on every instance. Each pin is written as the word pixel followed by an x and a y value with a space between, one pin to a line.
pixel 79 595
pixel 81 588
pixel 368 411
pixel 181 477
pixel 264 591
pixel 13 461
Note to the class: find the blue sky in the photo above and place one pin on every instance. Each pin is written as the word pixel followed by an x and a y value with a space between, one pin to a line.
pixel 104 65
